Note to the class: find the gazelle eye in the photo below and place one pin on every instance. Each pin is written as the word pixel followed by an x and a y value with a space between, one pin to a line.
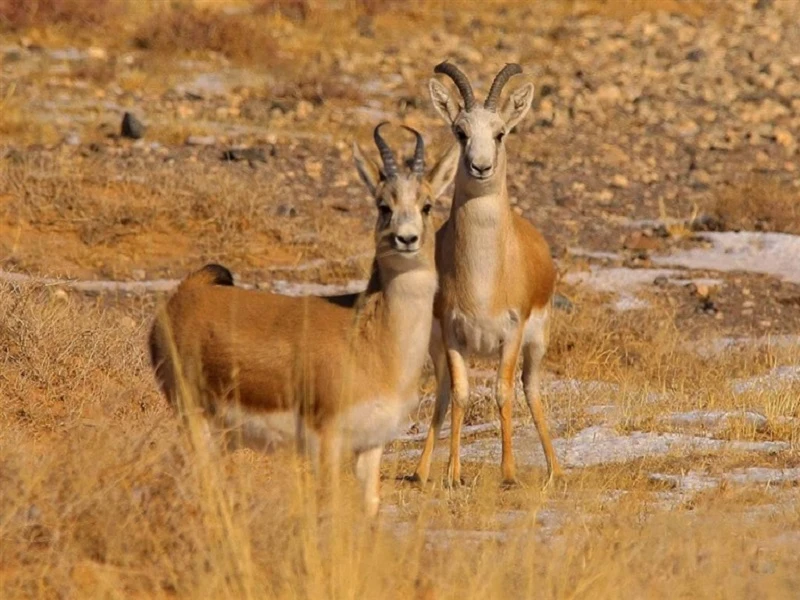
pixel 385 210
pixel 427 208
pixel 500 135
pixel 461 135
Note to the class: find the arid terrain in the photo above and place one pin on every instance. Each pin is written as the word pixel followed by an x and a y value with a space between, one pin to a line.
pixel 661 160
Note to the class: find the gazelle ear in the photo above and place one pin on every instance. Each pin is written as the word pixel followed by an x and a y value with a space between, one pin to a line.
pixel 443 101
pixel 368 169
pixel 444 171
pixel 517 105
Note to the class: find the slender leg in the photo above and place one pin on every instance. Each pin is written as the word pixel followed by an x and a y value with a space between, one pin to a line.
pixel 533 353
pixel 459 378
pixel 329 463
pixel 504 396
pixel 368 472
pixel 439 356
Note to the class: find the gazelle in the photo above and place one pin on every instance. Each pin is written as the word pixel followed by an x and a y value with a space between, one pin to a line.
pixel 329 374
pixel 496 275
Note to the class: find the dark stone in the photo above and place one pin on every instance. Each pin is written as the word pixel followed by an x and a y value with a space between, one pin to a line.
pixel 132 127
pixel 248 154
pixel 696 55
pixel 561 302
pixel 707 223
pixel 286 210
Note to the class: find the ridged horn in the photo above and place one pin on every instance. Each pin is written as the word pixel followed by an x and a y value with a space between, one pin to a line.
pixel 461 81
pixel 389 164
pixel 418 166
pixel 499 83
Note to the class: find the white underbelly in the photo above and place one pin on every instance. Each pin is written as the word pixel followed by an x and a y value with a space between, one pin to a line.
pixel 480 335
pixel 262 431
pixel 374 423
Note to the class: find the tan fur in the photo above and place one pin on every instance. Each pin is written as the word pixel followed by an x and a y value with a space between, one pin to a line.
pixel 330 374
pixel 496 281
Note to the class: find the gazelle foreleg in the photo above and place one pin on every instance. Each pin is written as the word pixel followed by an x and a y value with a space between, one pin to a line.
pixel 459 387
pixel 368 472
pixel 504 396
pixel 439 358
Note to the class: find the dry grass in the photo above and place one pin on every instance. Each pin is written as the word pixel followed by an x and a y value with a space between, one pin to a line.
pixel 17 15
pixel 103 497
pixel 760 203
pixel 183 30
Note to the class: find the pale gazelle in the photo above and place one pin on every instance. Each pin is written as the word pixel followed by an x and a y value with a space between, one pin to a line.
pixel 328 374
pixel 496 276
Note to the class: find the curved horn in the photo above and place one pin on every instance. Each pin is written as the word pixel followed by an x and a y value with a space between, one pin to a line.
pixel 499 83
pixel 389 164
pixel 418 166
pixel 461 81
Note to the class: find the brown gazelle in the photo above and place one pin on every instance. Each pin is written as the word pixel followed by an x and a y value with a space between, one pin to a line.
pixel 328 374
pixel 496 276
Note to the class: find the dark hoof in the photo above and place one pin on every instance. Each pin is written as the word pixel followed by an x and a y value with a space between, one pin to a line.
pixel 510 484
pixel 454 485
pixel 415 479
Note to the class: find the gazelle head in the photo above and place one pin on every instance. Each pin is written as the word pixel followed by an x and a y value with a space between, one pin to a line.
pixel 403 229
pixel 481 130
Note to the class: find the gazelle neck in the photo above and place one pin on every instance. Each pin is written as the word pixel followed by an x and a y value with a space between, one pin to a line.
pixel 404 314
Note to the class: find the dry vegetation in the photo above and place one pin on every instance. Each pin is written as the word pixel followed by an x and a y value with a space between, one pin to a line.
pixel 102 494
pixel 104 497
pixel 758 204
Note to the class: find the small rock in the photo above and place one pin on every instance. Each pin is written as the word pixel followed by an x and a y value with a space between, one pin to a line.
pixel 248 154
pixel 708 307
pixel 661 281
pixel 687 128
pixel 609 94
pixel 700 178
pixel 619 181
pixel 707 223
pixel 561 302
pixel 72 139
pixel 286 210
pixel 605 197
pixel 785 138
pixel 702 290
pixel 139 274
pixel 60 295
pixel 304 109
pixel 132 127
pixel 696 55
pixel 638 240
pixel 97 53
pixel 313 168
pixel 201 140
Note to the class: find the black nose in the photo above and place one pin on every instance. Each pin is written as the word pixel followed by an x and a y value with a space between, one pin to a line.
pixel 480 169
pixel 407 239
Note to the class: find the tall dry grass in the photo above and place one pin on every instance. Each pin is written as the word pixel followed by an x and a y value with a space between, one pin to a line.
pixel 105 495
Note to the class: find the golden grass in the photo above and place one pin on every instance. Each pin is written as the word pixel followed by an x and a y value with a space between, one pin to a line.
pixel 759 203
pixel 183 30
pixel 104 496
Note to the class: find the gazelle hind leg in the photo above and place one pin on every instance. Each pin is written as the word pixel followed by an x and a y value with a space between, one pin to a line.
pixel 439 357
pixel 533 351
